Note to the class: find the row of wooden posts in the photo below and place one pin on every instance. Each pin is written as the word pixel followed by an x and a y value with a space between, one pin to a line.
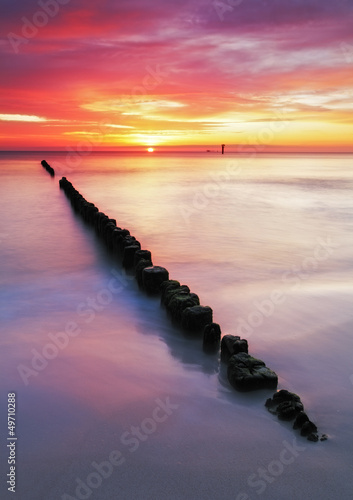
pixel 244 372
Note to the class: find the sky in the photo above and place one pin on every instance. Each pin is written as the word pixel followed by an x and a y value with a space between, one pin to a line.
pixel 105 74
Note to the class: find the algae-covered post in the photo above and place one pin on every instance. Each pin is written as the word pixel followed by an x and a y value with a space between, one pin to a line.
pixel 211 338
pixel 48 168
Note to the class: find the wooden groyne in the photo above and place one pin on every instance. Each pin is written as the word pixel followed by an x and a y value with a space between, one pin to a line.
pixel 48 168
pixel 244 372
pixel 184 307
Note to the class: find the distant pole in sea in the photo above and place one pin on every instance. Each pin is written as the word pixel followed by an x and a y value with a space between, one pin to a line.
pixel 223 145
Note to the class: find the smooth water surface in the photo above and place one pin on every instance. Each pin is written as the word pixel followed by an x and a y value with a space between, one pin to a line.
pixel 266 241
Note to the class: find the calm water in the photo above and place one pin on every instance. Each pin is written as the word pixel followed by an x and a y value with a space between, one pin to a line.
pixel 265 241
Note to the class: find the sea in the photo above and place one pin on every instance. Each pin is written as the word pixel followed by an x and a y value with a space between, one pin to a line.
pixel 113 401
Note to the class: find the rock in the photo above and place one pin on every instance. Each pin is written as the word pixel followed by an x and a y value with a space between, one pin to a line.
pixel 246 373
pixel 288 410
pixel 179 302
pixel 232 344
pixel 269 403
pixel 300 420
pixel 194 319
pixel 308 428
pixel 284 395
pixel 129 255
pixel 324 437
pixel 313 437
pixel 152 277
pixel 142 254
pixel 211 337
pixel 288 405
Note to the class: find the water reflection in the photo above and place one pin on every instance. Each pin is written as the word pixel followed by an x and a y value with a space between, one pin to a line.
pixel 233 251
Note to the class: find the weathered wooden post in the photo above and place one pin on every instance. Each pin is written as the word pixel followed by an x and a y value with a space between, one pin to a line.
pixel 223 146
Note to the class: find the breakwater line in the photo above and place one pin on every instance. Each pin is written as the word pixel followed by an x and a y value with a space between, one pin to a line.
pixel 244 372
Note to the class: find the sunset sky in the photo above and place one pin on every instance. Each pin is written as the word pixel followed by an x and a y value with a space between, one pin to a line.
pixel 136 73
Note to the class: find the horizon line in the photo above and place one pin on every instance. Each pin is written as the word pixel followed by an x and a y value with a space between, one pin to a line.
pixel 167 150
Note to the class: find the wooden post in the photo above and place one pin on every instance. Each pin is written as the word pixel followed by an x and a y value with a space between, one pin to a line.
pixel 223 145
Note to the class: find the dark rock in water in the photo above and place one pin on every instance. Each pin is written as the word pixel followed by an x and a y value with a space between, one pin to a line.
pixel 287 406
pixel 324 437
pixel 313 437
pixel 211 337
pixel 269 405
pixel 284 395
pixel 171 291
pixel 246 373
pixel 152 277
pixel 142 264
pixel 232 344
pixel 129 255
pixel 142 254
pixel 179 302
pixel 288 410
pixel 300 420
pixel 308 428
pixel 194 319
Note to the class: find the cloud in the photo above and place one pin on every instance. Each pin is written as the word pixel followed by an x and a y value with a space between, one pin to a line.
pixel 93 62
pixel 21 118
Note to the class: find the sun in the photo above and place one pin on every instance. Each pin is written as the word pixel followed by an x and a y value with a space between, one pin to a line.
pixel 150 150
